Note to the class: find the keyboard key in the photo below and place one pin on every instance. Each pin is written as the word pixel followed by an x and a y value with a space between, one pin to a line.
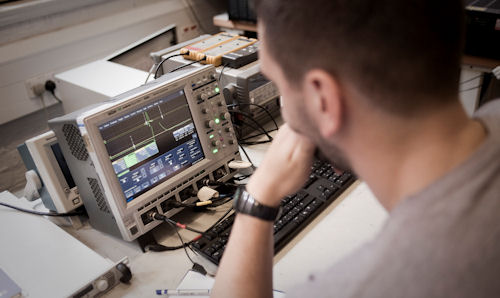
pixel 217 255
pixel 199 244
pixel 209 251
pixel 210 235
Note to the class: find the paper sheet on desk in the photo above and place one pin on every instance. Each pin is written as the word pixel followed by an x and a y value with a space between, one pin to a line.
pixel 195 280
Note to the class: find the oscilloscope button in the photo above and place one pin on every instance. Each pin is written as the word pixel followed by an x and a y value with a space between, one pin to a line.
pixel 210 123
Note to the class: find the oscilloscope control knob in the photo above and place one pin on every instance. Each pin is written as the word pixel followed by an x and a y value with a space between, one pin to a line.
pixel 210 123
pixel 204 111
pixel 231 141
pixel 229 129
pixel 102 285
pixel 225 116
pixel 216 143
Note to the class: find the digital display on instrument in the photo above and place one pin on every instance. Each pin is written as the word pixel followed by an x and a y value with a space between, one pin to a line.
pixel 151 144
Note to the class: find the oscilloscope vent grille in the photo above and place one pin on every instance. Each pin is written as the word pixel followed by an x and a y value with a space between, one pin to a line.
pixel 110 277
pixel 75 142
pixel 99 197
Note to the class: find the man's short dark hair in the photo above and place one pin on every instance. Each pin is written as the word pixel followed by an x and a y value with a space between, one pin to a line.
pixel 404 55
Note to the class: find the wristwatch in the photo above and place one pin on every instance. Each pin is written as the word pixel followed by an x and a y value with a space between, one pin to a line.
pixel 245 203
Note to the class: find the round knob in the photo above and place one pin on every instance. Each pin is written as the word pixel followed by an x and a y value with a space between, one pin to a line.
pixel 225 116
pixel 229 92
pixel 210 123
pixel 204 96
pixel 229 129
pixel 204 111
pixel 216 143
pixel 231 141
pixel 102 285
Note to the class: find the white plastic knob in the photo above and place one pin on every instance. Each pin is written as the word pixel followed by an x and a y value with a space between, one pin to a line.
pixel 102 285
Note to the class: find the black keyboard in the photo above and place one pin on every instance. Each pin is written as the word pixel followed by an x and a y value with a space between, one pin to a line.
pixel 323 186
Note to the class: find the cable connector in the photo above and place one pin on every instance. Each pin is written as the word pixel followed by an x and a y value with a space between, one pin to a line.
pixel 206 193
pixel 51 87
pixel 157 216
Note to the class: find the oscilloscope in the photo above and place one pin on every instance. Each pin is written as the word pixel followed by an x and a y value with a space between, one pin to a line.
pixel 148 147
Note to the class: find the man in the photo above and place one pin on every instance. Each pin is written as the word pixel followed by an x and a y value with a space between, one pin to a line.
pixel 374 85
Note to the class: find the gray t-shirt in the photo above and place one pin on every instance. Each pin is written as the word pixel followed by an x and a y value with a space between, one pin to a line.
pixel 442 242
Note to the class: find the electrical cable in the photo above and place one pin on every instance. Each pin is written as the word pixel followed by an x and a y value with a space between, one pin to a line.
pixel 160 247
pixel 46 112
pixel 55 96
pixel 42 213
pixel 186 65
pixel 256 135
pixel 242 142
pixel 248 116
pixel 150 72
pixel 242 177
pixel 248 157
pixel 471 79
pixel 182 242
pixel 210 203
pixel 472 88
pixel 51 87
pixel 220 203
pixel 221 71
pixel 259 106
pixel 183 226
pixel 161 63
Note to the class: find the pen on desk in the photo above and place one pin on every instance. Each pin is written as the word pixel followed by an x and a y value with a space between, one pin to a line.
pixel 188 292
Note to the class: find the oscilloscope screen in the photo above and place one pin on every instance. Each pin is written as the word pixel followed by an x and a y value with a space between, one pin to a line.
pixel 151 144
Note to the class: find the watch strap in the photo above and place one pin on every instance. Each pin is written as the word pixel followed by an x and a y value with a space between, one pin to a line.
pixel 246 204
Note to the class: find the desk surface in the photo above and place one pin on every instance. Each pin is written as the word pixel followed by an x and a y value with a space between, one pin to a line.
pixel 352 219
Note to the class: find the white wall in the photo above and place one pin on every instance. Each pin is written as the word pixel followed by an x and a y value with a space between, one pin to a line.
pixel 64 48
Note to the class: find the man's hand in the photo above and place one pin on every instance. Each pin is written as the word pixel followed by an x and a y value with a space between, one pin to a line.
pixel 284 168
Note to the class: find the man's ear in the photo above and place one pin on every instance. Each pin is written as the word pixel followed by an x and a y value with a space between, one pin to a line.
pixel 323 101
